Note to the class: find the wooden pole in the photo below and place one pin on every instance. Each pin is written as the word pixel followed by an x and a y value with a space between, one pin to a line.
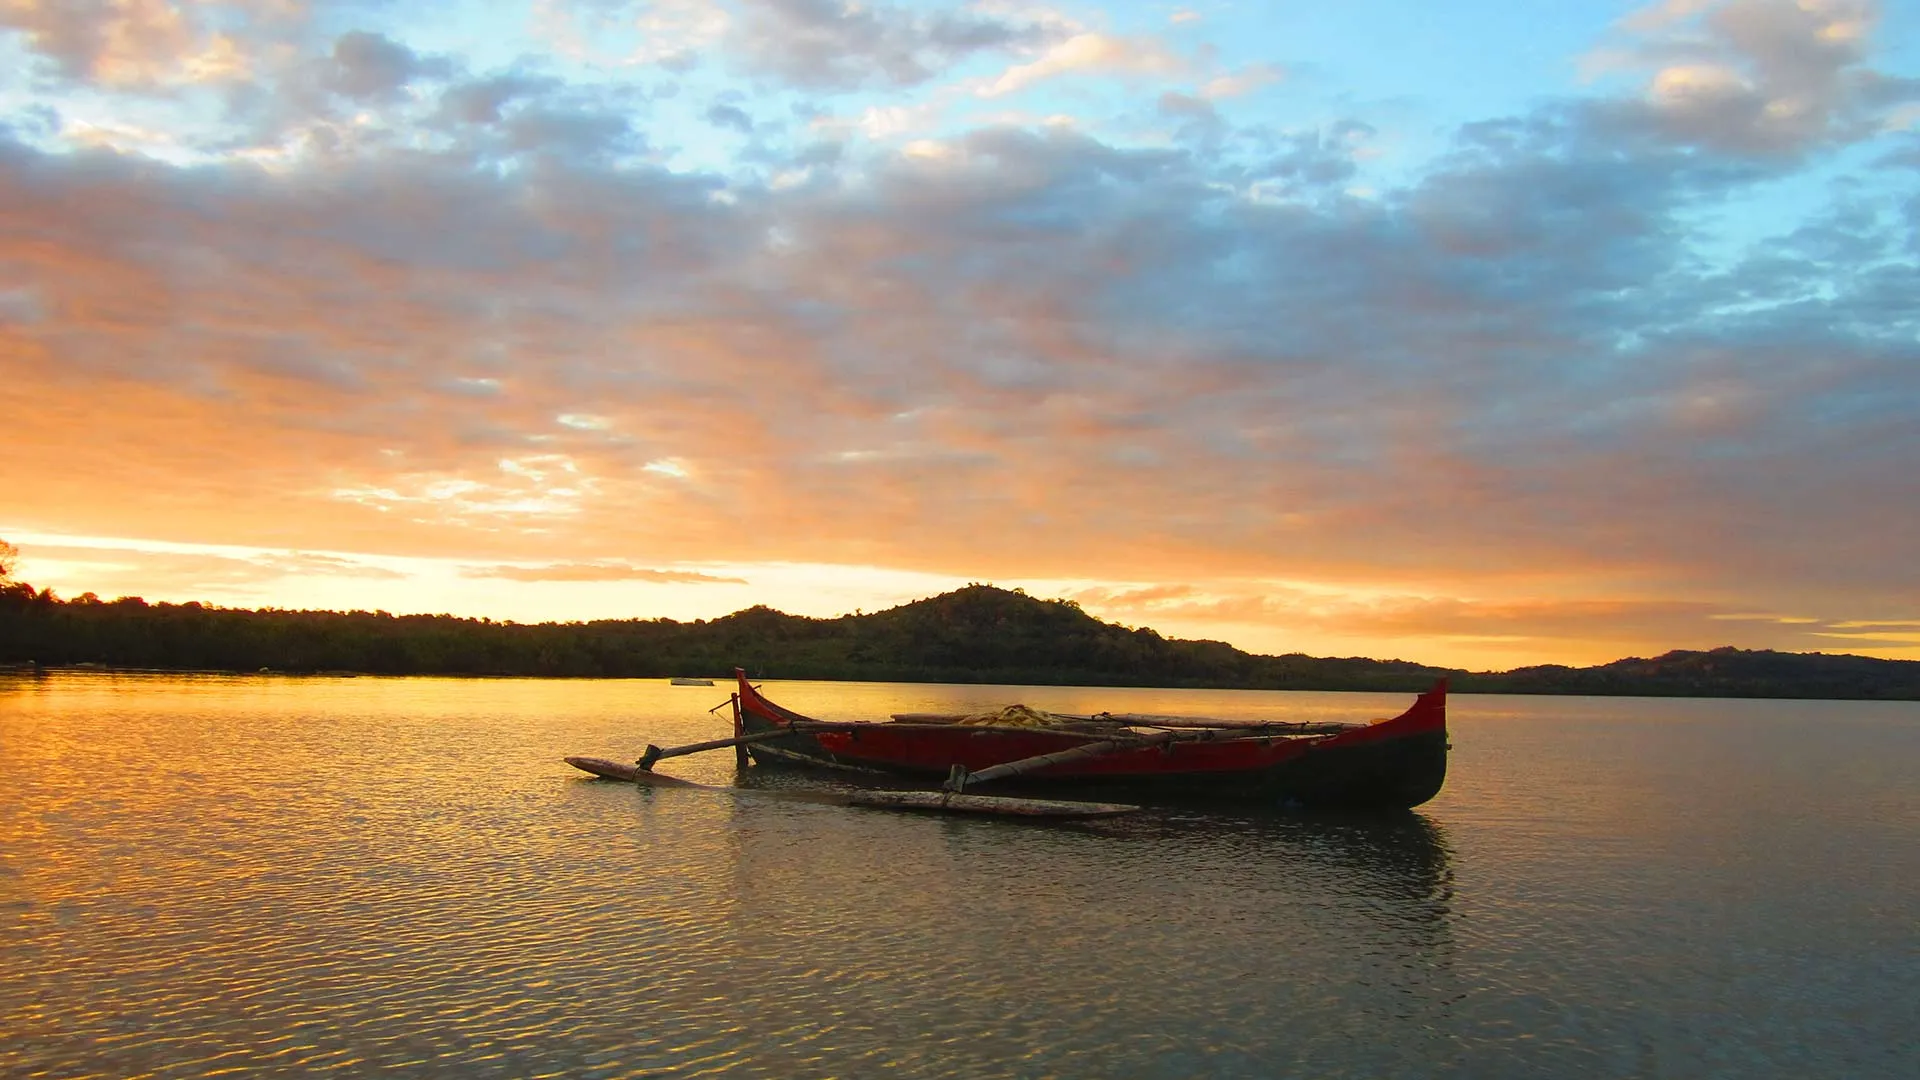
pixel 960 778
pixel 741 759
pixel 655 753
pixel 798 727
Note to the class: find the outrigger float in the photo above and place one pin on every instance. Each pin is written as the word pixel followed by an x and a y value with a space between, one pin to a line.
pixel 1390 764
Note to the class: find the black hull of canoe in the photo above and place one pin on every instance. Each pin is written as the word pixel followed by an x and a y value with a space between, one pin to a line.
pixel 1396 774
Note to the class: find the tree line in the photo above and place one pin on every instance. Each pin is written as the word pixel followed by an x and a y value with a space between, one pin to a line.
pixel 975 634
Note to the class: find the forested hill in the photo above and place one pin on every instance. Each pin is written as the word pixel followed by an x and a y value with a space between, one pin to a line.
pixel 975 634
pixel 1722 672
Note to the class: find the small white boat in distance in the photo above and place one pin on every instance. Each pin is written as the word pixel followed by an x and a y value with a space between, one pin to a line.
pixel 682 680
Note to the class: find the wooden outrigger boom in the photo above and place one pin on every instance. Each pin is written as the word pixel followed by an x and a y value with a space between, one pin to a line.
pixel 923 801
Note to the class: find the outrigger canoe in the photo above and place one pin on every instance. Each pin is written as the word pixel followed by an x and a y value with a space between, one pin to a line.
pixel 1394 763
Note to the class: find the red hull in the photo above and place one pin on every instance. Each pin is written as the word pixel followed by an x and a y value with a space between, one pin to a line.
pixel 1390 763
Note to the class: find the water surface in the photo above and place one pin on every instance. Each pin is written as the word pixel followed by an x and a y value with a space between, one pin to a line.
pixel 207 874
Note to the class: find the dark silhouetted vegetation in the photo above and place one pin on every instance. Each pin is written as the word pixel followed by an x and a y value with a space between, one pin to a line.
pixel 975 634
pixel 1722 672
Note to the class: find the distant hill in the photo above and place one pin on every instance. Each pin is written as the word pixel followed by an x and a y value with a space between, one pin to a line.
pixel 1722 672
pixel 975 634
pixel 985 634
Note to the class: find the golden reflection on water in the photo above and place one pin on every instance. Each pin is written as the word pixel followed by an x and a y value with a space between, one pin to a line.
pixel 398 875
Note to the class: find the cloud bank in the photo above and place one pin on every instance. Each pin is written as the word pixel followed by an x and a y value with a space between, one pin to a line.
pixel 1562 381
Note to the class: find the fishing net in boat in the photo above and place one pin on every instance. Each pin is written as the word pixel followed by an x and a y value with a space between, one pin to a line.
pixel 1015 716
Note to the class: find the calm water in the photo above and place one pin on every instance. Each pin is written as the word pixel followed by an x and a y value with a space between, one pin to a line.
pixel 204 875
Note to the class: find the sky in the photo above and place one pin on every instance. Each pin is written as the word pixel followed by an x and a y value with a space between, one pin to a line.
pixel 1475 333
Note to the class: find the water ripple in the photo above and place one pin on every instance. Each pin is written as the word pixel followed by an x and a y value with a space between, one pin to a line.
pixel 202 876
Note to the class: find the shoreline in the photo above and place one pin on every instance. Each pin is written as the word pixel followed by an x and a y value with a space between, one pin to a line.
pixel 1457 689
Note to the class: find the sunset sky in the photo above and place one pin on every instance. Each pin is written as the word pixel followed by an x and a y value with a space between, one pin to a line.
pixel 1471 333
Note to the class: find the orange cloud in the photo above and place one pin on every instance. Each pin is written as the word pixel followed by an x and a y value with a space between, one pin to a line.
pixel 600 572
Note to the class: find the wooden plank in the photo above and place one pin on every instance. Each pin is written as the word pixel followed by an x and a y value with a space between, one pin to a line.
pixel 922 801
pixel 939 802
